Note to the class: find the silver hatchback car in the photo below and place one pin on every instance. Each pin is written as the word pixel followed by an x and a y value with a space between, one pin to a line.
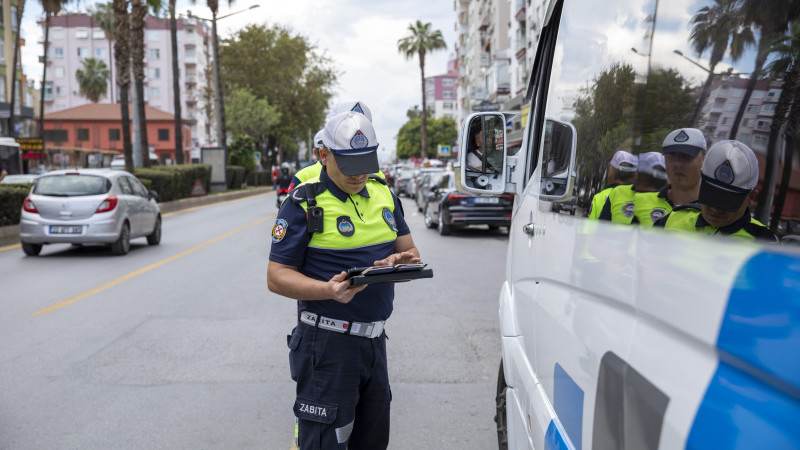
pixel 89 206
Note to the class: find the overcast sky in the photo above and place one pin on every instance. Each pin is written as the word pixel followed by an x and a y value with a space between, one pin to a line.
pixel 360 36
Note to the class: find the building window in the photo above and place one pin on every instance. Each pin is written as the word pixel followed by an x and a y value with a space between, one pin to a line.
pixel 82 34
pixel 83 52
pixel 447 94
pixel 737 92
pixel 3 88
pixel 83 134
pixel 447 82
pixel 154 73
pixel 2 52
pixel 731 107
pixel 100 53
pixel 56 135
pixel 113 134
pixel 763 125
pixel 14 18
pixel 58 72
pixel 751 108
pixel 447 105
pixel 153 53
pixel 769 107
pixel 725 120
pixel 58 52
pixel 430 82
pixel 48 89
pixel 163 134
pixel 152 35
pixel 772 94
pixel 98 34
pixel 56 33
pixel 747 123
pixel 721 134
pixel 757 94
pixel 155 92
pixel 60 91
pixel 760 141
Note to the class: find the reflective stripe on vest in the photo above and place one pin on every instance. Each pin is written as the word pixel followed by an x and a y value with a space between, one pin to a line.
pixel 649 207
pixel 309 172
pixel 621 198
pixel 358 221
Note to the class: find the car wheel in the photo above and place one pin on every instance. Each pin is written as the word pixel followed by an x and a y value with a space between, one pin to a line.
pixel 444 229
pixel 123 244
pixel 31 249
pixel 154 238
pixel 428 219
pixel 500 411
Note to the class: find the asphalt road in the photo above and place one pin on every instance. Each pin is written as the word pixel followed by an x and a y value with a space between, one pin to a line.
pixel 181 346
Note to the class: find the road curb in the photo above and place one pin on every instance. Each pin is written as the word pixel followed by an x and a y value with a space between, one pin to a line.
pixel 10 234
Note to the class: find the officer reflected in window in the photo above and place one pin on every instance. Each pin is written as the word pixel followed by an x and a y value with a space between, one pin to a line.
pixel 729 176
pixel 651 176
pixel 621 170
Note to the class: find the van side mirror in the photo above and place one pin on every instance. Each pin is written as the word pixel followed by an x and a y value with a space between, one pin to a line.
pixel 558 160
pixel 482 154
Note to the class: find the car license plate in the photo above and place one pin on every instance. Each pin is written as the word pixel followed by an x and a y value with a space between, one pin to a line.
pixel 66 229
pixel 486 200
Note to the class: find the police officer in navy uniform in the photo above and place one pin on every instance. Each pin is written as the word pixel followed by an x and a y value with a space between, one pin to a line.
pixel 729 176
pixel 344 218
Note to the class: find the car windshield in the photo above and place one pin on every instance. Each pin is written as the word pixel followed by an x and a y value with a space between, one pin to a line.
pixel 71 185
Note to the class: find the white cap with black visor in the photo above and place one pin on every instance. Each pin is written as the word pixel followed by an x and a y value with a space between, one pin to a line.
pixel 351 139
pixel 729 174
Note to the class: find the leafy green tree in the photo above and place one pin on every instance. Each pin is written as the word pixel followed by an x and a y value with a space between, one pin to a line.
pixel 720 28
pixel 240 153
pixel 92 79
pixel 248 115
pixel 421 41
pixel 275 64
pixel 441 132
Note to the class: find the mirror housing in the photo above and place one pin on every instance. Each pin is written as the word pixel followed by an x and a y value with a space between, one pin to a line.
pixel 482 168
pixel 558 161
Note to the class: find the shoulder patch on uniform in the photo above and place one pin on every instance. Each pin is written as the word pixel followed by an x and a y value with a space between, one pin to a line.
pixel 279 230
pixel 657 213
pixel 627 210
pixel 345 226
pixel 388 217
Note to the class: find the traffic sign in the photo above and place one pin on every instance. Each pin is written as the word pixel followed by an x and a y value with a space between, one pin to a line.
pixel 487 106
pixel 444 150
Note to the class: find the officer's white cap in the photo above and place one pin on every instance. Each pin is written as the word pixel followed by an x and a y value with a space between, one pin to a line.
pixel 653 163
pixel 729 173
pixel 350 105
pixel 351 138
pixel 624 161
pixel 318 138
pixel 689 141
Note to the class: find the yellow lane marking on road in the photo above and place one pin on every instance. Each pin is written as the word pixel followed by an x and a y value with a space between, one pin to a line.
pixel 145 269
pixel 195 208
pixel 14 246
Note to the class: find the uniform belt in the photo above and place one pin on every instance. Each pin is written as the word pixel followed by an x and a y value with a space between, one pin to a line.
pixel 364 329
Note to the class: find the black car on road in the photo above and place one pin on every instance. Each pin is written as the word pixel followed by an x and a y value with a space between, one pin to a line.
pixel 447 208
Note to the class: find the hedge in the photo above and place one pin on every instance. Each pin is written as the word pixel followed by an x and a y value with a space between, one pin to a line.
pixel 11 198
pixel 259 178
pixel 175 182
pixel 235 176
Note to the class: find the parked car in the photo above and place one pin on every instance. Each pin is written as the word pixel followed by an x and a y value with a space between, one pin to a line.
pixel 428 183
pixel 418 175
pixel 401 184
pixel 447 208
pixel 89 206
pixel 19 178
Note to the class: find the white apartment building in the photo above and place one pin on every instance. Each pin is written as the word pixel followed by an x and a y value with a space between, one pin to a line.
pixel 75 37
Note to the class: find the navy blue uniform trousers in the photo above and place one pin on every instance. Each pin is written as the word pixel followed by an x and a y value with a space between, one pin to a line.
pixel 343 395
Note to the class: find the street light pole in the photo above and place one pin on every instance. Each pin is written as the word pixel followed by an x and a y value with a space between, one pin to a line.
pixel 680 53
pixel 221 134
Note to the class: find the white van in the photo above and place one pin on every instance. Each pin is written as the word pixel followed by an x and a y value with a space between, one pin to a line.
pixel 615 337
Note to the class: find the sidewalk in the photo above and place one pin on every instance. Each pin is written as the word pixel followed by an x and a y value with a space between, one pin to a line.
pixel 10 234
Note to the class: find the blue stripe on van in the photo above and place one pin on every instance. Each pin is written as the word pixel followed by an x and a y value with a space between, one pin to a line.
pixel 568 404
pixel 555 438
pixel 753 400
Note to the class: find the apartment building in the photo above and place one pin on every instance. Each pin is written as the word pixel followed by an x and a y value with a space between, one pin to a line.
pixel 440 93
pixel 24 113
pixel 75 37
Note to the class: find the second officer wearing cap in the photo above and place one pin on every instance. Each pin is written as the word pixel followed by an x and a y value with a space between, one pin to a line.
pixel 344 218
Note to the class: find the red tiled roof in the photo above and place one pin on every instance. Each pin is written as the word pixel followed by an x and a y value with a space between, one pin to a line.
pixel 105 112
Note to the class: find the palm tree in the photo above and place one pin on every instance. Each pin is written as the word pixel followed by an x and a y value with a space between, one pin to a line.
pixel 772 18
pixel 122 55
pixel 93 79
pixel 20 9
pixel 719 28
pixel 104 18
pixel 51 8
pixel 176 83
pixel 787 65
pixel 421 40
pixel 138 15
